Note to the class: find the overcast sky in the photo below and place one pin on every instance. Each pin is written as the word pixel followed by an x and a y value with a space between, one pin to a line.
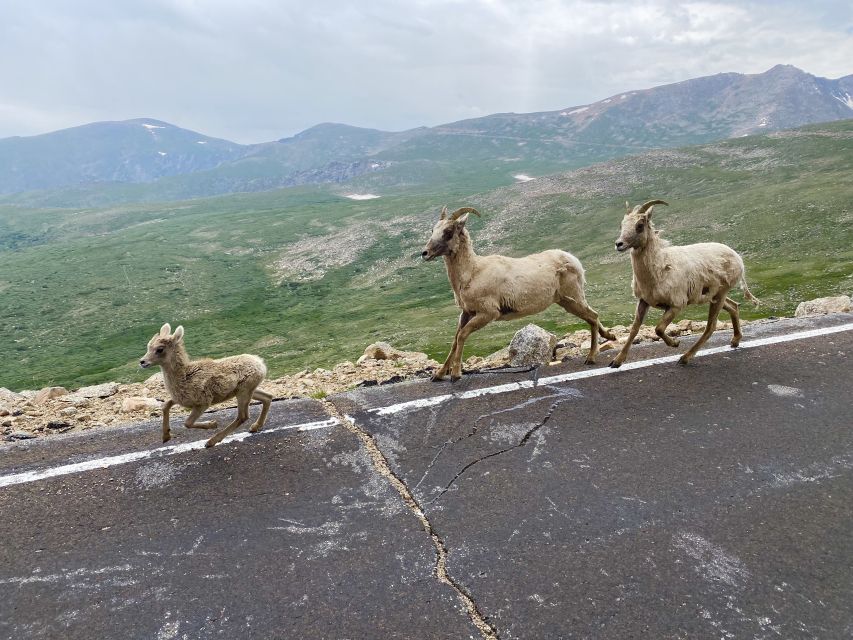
pixel 258 70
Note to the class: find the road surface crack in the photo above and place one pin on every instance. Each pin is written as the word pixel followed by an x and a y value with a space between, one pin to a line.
pixel 565 394
pixel 380 463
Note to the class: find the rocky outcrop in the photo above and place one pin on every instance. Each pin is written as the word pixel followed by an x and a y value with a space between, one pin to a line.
pixel 822 306
pixel 531 346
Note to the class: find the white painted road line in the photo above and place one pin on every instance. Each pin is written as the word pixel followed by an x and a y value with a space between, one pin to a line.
pixel 103 463
pixel 602 371
pixel 170 450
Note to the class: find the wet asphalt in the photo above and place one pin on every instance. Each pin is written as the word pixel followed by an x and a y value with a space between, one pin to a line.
pixel 708 501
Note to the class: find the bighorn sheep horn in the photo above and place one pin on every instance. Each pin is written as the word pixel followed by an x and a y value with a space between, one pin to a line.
pixel 458 213
pixel 647 205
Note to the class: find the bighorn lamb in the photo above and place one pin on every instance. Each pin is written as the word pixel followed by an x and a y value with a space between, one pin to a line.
pixel 671 278
pixel 197 384
pixel 490 288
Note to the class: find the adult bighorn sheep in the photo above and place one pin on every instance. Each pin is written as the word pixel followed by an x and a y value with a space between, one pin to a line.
pixel 489 288
pixel 197 384
pixel 672 277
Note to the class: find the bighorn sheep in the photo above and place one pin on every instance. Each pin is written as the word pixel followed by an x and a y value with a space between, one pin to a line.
pixel 197 384
pixel 671 278
pixel 495 287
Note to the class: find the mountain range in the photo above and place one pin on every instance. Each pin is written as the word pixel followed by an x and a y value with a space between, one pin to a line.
pixel 146 159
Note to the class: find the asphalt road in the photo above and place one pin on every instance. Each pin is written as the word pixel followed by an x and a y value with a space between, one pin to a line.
pixel 708 501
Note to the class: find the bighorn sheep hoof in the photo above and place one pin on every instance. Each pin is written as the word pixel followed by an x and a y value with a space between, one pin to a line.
pixel 436 377
pixel 675 343
pixel 167 438
pixel 614 364
pixel 455 378
pixel 589 361
pixel 209 443
pixel 684 360
pixel 254 428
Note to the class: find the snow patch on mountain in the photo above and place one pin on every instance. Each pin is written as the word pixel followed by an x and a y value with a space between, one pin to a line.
pixel 846 100
pixel 362 196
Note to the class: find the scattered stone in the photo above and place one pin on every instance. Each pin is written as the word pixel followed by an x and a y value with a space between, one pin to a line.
pixel 4 412
pixel 531 346
pixel 384 351
pixel 822 306
pixel 136 403
pixel 10 396
pixel 49 393
pixel 17 412
pixel 28 394
pixel 69 411
pixel 20 435
pixel 8 422
pixel 57 424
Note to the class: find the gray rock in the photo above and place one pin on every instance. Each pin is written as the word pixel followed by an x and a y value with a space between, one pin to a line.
pixel 531 346
pixel 821 306
pixel 95 391
pixel 20 435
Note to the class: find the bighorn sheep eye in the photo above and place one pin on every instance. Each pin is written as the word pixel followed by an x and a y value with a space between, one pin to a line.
pixel 159 350
pixel 640 227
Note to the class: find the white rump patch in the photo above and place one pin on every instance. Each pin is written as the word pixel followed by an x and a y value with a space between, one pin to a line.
pixel 362 196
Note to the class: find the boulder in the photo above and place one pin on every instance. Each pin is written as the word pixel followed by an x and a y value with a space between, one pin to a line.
pixel 95 391
pixel 49 393
pixel 154 382
pixel 821 306
pixel 531 346
pixel 138 403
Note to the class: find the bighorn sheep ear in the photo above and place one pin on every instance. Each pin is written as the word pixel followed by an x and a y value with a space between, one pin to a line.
pixel 179 334
pixel 443 213
pixel 627 207
pixel 165 330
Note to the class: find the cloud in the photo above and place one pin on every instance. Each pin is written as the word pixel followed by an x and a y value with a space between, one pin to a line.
pixel 262 69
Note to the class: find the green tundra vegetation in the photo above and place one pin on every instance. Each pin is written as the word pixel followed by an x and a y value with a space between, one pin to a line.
pixel 306 277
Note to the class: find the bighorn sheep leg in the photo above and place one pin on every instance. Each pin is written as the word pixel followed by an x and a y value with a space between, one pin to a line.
pixel 265 399
pixel 639 316
pixel 668 316
pixel 242 416
pixel 166 407
pixel 190 422
pixel 476 322
pixel 713 313
pixel 731 308
pixel 587 313
pixel 464 317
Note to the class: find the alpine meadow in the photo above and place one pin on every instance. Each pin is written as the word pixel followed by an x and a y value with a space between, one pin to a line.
pixel 307 275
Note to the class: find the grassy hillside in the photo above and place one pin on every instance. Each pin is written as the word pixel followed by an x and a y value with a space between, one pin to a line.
pixel 306 277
